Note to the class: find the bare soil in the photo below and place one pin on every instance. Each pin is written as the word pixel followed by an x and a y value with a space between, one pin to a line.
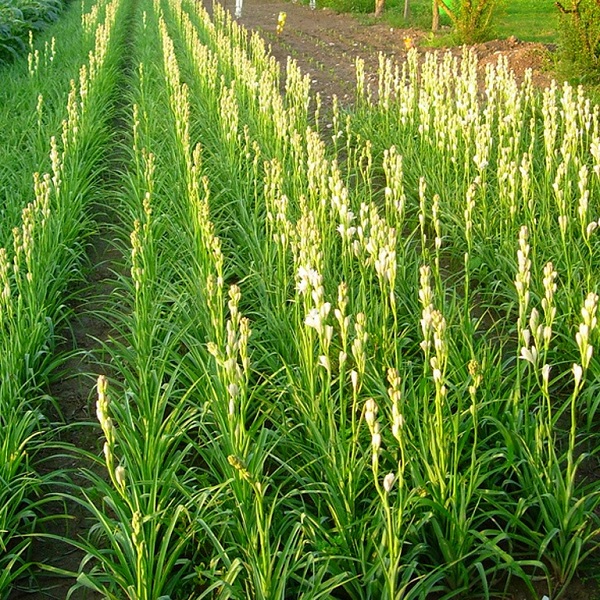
pixel 326 45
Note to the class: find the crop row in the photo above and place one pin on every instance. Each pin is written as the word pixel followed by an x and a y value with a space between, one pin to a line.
pixel 43 249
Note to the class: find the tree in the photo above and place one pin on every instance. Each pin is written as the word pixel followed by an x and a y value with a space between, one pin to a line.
pixel 580 33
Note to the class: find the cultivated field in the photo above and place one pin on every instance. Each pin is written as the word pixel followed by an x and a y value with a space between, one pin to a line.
pixel 351 348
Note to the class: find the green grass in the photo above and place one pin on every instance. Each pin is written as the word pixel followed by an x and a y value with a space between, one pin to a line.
pixel 531 21
pixel 528 20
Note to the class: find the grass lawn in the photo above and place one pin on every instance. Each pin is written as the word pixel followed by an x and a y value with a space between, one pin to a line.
pixel 528 20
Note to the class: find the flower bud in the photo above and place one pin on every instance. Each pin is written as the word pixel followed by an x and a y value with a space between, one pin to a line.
pixel 120 476
pixel 546 376
pixel 354 380
pixel 388 482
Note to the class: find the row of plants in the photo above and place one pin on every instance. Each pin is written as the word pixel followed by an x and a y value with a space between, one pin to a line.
pixel 40 259
pixel 355 349
pixel 34 107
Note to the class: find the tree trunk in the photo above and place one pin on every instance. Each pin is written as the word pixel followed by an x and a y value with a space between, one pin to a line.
pixel 379 6
pixel 435 23
pixel 407 9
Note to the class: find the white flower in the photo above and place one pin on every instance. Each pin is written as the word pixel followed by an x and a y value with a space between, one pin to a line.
pixel 530 354
pixel 388 482
pixel 313 319
pixel 345 231
pixel 324 361
pixel 307 279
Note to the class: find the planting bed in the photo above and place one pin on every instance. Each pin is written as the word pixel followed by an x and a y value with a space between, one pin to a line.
pixel 335 346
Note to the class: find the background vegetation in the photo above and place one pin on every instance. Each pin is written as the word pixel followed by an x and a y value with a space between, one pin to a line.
pixel 580 35
pixel 528 21
pixel 572 26
pixel 19 19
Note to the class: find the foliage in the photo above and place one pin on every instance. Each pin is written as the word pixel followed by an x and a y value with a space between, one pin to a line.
pixel 350 6
pixel 20 17
pixel 42 238
pixel 527 21
pixel 474 20
pixel 580 34
pixel 336 355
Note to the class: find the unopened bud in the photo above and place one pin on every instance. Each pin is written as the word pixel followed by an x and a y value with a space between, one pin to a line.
pixel 354 380
pixel 388 482
pixel 120 476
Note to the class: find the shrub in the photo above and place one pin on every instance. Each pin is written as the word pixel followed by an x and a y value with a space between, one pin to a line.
pixel 474 20
pixel 580 34
pixel 18 18
pixel 471 19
